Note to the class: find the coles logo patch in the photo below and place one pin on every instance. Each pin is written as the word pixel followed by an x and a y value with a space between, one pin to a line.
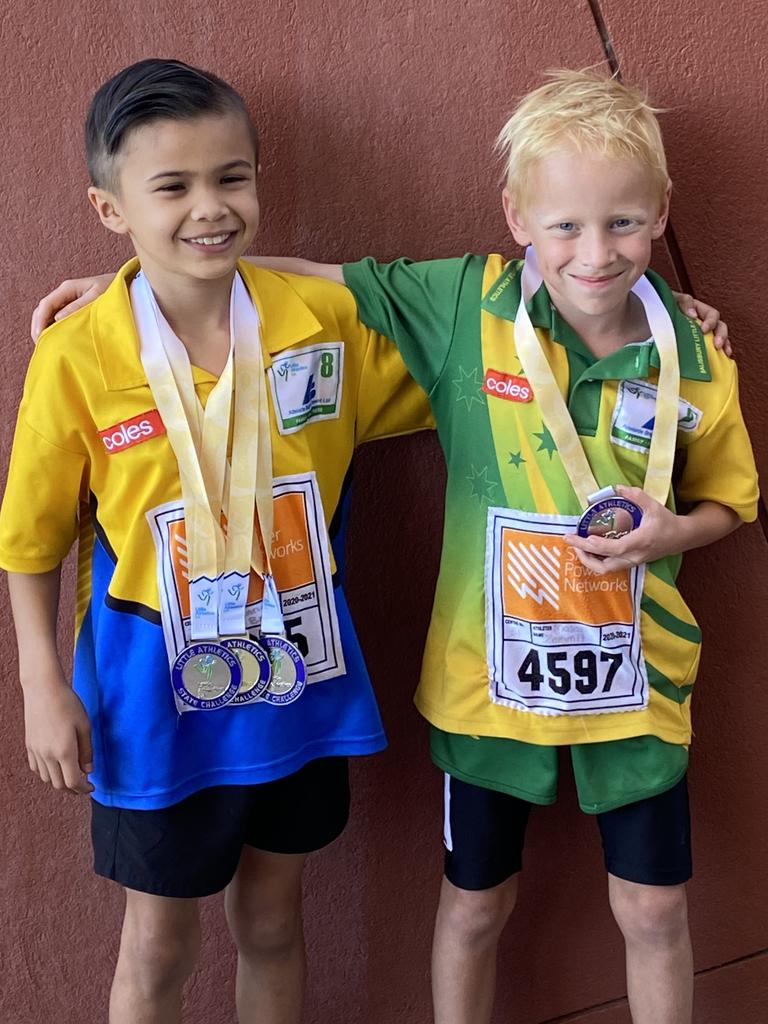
pixel 504 385
pixel 130 432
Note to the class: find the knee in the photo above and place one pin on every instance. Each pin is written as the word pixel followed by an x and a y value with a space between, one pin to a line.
pixel 160 959
pixel 477 917
pixel 265 929
pixel 648 914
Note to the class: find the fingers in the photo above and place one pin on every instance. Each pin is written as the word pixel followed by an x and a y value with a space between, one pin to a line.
pixel 84 749
pixel 63 772
pixel 47 307
pixel 63 300
pixel 73 778
pixel 636 494
pixel 709 316
pixel 722 341
pixel 600 566
pixel 78 303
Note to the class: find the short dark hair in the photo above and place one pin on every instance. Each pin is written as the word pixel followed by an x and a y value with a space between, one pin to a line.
pixel 148 91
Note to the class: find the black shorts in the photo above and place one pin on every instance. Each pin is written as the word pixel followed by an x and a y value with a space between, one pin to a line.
pixel 193 848
pixel 648 841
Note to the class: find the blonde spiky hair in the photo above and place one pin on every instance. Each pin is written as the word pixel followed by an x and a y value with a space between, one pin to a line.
pixel 587 111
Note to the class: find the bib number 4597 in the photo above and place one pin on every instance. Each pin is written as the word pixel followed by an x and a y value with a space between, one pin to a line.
pixel 565 670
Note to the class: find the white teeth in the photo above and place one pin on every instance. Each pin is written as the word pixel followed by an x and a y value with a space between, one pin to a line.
pixel 211 239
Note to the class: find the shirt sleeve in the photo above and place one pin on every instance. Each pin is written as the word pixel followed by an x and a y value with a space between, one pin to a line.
pixel 390 402
pixel 719 464
pixel 415 304
pixel 47 477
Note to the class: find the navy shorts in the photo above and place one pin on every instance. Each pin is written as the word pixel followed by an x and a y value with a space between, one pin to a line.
pixel 193 848
pixel 648 841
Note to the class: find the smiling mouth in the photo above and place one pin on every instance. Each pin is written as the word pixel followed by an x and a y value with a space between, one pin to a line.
pixel 604 279
pixel 210 240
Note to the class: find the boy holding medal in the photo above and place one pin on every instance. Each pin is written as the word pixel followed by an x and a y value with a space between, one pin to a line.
pixel 560 388
pixel 564 387
pixel 194 427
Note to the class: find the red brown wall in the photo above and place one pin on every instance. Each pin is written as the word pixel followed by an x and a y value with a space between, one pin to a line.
pixel 377 123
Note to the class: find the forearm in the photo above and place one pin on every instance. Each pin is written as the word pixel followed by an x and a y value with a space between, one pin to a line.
pixel 35 605
pixel 294 265
pixel 705 524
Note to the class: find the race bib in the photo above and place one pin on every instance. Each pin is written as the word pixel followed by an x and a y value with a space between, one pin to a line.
pixel 302 570
pixel 561 639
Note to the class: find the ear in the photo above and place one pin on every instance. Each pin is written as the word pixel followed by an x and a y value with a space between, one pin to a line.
pixel 106 204
pixel 661 222
pixel 515 219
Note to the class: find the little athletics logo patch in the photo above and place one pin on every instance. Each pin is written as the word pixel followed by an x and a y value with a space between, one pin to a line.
pixel 635 414
pixel 307 384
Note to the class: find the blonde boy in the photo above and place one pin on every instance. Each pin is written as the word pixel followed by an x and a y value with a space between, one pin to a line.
pixel 519 660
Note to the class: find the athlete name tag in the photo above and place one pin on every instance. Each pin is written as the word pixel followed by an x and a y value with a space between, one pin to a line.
pixel 560 639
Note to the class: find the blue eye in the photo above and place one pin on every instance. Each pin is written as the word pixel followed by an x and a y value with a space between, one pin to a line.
pixel 566 225
pixel 623 222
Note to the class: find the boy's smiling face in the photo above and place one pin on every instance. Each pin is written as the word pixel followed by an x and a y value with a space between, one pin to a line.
pixel 591 220
pixel 186 196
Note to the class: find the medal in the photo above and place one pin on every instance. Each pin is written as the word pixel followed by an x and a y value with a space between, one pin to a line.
pixel 206 676
pixel 289 673
pixel 610 516
pixel 606 514
pixel 255 665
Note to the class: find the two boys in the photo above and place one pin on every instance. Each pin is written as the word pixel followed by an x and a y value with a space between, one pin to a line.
pixel 540 637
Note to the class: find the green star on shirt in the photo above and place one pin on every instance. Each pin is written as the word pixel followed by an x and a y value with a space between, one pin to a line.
pixel 516 459
pixel 547 441
pixel 482 488
pixel 467 387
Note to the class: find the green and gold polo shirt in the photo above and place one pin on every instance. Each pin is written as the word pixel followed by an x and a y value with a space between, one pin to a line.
pixel 524 642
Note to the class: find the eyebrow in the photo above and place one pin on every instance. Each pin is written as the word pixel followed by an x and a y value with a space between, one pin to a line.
pixel 225 167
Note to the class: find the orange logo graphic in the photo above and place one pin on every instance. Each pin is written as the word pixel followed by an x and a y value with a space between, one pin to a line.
pixel 543 581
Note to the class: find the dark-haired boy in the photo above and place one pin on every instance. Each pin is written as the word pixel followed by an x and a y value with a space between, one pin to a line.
pixel 188 797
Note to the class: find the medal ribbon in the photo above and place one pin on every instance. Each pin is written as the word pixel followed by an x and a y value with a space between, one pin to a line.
pixel 555 412
pixel 218 564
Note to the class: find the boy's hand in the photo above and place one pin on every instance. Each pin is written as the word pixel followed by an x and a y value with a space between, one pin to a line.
pixel 709 317
pixel 660 533
pixel 69 296
pixel 58 735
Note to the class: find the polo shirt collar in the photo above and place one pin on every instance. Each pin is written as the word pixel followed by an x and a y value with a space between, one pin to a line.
pixel 503 298
pixel 285 320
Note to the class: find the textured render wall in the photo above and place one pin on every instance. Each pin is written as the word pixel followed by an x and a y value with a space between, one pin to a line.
pixel 377 124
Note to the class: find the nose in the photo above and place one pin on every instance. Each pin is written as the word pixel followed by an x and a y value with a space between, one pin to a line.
pixel 596 249
pixel 209 205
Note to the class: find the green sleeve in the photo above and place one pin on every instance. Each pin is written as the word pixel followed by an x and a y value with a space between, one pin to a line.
pixel 414 304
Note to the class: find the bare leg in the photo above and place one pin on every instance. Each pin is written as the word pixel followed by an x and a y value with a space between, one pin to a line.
pixel 159 946
pixel 263 904
pixel 654 922
pixel 467 932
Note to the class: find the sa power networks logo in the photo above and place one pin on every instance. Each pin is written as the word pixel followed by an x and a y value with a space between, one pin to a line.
pixel 544 580
pixel 131 432
pixel 505 385
pixel 306 384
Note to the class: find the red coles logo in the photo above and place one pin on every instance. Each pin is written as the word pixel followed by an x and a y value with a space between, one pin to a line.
pixel 130 432
pixel 504 385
